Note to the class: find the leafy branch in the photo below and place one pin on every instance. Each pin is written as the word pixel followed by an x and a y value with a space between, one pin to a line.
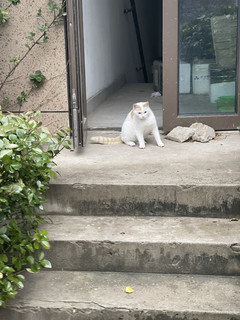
pixel 4 17
pixel 58 13
pixel 27 151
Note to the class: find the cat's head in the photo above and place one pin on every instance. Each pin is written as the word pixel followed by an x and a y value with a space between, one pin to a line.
pixel 141 110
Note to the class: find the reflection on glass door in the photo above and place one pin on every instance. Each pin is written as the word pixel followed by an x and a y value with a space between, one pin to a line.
pixel 207 56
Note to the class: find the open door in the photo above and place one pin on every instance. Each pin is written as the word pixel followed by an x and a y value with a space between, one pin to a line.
pixel 76 72
pixel 201 63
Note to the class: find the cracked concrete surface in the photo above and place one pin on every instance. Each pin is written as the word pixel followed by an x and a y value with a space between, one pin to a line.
pixel 96 295
pixel 145 244
pixel 190 179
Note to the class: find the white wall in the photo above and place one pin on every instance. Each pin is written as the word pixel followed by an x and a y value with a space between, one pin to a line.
pixel 110 48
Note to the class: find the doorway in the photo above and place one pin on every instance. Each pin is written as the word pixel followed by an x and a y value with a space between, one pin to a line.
pixel 117 76
pixel 123 59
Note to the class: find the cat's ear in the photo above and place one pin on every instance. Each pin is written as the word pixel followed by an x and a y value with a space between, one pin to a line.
pixel 135 105
pixel 146 104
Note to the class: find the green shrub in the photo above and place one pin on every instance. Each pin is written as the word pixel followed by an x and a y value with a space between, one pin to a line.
pixel 27 151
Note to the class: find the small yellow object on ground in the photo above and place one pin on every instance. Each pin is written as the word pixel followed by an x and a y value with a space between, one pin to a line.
pixel 129 290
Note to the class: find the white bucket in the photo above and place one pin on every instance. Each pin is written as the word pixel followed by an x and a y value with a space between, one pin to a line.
pixel 201 78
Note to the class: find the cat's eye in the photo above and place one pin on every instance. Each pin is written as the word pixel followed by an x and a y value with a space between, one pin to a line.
pixel 145 111
pixel 139 112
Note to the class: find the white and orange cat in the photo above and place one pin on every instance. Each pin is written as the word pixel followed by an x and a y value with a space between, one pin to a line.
pixel 139 123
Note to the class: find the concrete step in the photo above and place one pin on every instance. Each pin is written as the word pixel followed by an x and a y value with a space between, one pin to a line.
pixel 220 201
pixel 67 295
pixel 145 244
pixel 189 179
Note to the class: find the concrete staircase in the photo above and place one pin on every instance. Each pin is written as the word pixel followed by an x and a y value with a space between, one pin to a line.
pixel 176 246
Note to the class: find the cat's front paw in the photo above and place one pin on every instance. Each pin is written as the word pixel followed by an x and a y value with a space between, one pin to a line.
pixel 141 145
pixel 161 144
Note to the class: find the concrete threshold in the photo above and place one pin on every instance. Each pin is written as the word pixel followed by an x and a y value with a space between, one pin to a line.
pixel 62 295
pixel 190 163
pixel 189 179
pixel 145 244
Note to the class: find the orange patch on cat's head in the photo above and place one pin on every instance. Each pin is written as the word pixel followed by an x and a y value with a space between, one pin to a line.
pixel 137 106
pixel 132 114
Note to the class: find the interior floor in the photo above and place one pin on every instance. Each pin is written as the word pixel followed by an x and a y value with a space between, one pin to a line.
pixel 112 112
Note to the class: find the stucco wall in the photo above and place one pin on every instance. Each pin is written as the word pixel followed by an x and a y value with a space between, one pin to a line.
pixel 48 57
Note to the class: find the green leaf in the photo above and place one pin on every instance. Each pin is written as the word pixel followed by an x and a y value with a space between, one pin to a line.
pixel 39 13
pixel 36 245
pixel 5 237
pixel 31 260
pixel 34 269
pixel 15 188
pixel 13 137
pixel 67 144
pixel 43 28
pixel 3 257
pixel 8 270
pixel 21 277
pixel 4 153
pixel 45 130
pixel 31 36
pixel 46 264
pixel 19 284
pixel 30 247
pixel 45 37
pixel 52 174
pixel 41 255
pixel 37 113
pixel 52 6
pixel 8 287
pixel 14 2
pixel 38 79
pixel 3 230
pixel 16 165
pixel 38 150
pixel 15 59
pixel 20 133
pixel 45 244
pixel 23 97
pixel 12 146
pixel 4 121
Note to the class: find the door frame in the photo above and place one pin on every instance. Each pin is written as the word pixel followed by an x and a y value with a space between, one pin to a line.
pixel 171 118
pixel 76 72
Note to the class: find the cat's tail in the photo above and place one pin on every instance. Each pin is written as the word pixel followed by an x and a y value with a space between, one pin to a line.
pixel 106 140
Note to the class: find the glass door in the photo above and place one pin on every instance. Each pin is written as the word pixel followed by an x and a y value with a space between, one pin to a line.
pixel 201 63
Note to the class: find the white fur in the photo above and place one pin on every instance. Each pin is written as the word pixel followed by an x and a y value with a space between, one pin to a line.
pixel 139 123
